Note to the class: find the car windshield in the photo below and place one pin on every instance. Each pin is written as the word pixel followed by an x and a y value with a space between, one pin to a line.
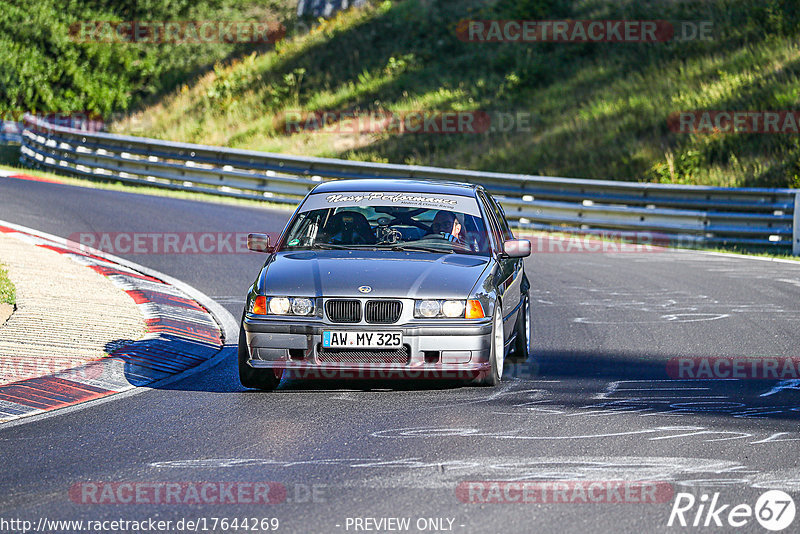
pixel 441 229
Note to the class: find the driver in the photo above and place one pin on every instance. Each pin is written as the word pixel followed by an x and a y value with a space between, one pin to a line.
pixel 445 224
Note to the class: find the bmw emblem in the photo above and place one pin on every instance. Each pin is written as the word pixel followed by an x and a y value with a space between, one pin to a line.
pixel 365 289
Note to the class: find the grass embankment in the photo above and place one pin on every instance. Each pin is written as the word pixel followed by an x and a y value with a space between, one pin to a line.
pixel 8 295
pixel 599 110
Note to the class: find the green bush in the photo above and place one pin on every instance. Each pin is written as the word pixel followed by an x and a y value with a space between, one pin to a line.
pixel 47 70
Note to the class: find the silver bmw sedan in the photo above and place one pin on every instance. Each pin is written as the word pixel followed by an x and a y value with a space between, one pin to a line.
pixel 387 279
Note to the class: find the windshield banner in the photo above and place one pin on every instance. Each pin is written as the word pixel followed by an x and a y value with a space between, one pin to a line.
pixel 367 199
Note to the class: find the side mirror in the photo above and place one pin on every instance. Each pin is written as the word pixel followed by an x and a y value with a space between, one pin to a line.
pixel 258 243
pixel 517 248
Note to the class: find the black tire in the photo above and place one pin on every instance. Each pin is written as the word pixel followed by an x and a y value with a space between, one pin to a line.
pixel 495 374
pixel 264 379
pixel 522 343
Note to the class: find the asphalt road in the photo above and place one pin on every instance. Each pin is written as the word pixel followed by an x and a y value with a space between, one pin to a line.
pixel 595 402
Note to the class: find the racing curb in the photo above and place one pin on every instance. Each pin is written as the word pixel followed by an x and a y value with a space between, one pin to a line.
pixel 22 176
pixel 187 332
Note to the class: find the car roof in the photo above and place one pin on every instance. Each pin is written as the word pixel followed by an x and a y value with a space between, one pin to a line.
pixel 399 185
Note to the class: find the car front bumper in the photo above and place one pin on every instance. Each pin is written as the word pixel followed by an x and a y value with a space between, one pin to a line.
pixel 433 349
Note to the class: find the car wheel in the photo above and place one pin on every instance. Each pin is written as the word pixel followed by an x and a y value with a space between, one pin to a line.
pixel 497 351
pixel 522 345
pixel 265 379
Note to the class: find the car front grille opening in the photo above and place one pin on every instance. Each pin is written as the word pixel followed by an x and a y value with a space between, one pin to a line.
pixel 390 356
pixel 431 356
pixel 383 311
pixel 343 311
pixel 297 354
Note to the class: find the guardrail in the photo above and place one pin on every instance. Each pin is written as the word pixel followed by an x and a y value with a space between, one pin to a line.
pixel 696 215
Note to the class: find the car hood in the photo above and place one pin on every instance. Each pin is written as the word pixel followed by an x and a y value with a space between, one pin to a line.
pixel 339 273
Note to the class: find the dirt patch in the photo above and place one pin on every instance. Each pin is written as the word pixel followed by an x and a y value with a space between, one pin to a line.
pixel 5 312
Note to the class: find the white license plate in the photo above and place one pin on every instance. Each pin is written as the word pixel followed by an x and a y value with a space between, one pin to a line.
pixel 362 340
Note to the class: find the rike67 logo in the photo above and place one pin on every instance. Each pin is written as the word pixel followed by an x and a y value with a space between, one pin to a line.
pixel 774 510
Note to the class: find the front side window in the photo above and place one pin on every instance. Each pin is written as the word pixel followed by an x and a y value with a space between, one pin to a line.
pixel 495 227
pixel 433 223
pixel 501 219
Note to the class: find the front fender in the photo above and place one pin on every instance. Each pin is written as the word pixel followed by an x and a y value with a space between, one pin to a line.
pixel 485 289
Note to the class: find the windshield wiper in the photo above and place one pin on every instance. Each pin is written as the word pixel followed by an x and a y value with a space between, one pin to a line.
pixel 419 248
pixel 396 248
pixel 330 246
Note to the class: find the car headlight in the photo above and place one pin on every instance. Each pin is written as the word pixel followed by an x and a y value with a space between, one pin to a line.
pixel 301 306
pixel 453 308
pixel 279 306
pixel 429 309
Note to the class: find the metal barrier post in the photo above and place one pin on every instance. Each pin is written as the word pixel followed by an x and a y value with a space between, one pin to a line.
pixel 796 226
